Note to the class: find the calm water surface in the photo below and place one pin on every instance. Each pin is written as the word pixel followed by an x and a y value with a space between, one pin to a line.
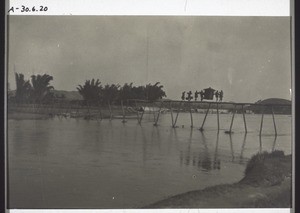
pixel 69 163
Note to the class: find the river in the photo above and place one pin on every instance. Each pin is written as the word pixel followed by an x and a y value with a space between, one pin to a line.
pixel 76 163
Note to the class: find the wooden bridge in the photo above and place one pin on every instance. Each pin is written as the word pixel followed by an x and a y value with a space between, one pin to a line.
pixel 175 107
pixel 135 109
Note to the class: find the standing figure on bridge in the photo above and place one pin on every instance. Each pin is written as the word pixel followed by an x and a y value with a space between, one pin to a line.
pixel 217 95
pixel 221 95
pixel 190 97
pixel 196 95
pixel 183 96
pixel 201 95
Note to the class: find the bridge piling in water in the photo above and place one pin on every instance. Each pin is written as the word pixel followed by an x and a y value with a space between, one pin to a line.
pixel 201 128
pixel 141 117
pixel 231 147
pixel 171 109
pixel 89 110
pixel 218 120
pixel 274 143
pixel 156 121
pixel 261 122
pixel 244 118
pixel 191 114
pixel 178 110
pixel 274 122
pixel 137 113
pixel 216 149
pixel 232 119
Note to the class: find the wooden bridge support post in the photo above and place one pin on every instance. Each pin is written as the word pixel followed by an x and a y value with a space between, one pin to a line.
pixel 216 150
pixel 274 122
pixel 137 112
pixel 178 110
pixel 261 123
pixel 191 114
pixel 230 130
pixel 156 121
pixel 201 128
pixel 243 146
pixel 171 108
pixel 141 117
pixel 123 111
pixel 218 120
pixel 231 147
pixel 244 118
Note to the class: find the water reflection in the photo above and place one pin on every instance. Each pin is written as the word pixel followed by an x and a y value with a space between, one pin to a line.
pixel 231 147
pixel 273 145
pixel 206 161
pixel 201 158
pixel 217 162
pixel 243 148
pixel 93 145
pixel 37 145
pixel 187 160
pixel 127 156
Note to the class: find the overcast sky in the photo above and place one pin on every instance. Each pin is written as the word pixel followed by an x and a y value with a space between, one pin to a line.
pixel 246 57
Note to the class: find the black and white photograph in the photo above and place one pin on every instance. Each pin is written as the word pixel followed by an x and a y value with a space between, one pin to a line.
pixel 149 112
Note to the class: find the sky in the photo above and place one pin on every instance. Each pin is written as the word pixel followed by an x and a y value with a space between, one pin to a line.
pixel 247 57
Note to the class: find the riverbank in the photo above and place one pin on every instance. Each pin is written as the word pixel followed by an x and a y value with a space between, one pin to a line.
pixel 27 116
pixel 84 114
pixel 267 184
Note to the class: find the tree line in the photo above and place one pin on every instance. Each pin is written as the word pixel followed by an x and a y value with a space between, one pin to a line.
pixel 39 90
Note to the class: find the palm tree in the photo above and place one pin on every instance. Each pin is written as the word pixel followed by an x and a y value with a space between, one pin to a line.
pixel 139 92
pixel 90 91
pixel 41 87
pixel 154 92
pixel 110 93
pixel 23 88
pixel 126 92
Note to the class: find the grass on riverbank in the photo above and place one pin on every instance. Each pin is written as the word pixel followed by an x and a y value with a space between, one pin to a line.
pixel 267 184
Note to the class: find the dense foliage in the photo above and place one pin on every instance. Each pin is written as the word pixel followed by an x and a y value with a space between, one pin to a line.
pixel 93 91
pixel 38 91
pixel 23 90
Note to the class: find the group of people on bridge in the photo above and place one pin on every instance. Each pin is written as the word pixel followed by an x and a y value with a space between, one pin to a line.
pixel 188 95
